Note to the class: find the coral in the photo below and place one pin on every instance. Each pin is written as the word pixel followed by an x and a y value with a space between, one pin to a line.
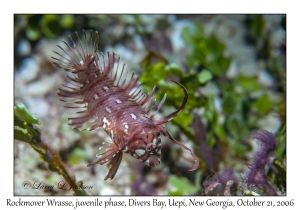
pixel 267 144
pixel 222 184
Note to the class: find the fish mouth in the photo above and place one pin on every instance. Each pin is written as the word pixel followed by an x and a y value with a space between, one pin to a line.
pixel 153 160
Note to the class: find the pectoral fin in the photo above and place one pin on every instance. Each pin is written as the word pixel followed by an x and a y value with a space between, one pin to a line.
pixel 107 152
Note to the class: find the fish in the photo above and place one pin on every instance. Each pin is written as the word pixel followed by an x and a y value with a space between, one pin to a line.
pixel 102 95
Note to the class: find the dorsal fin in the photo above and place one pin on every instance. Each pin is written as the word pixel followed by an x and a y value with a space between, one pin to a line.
pixel 76 57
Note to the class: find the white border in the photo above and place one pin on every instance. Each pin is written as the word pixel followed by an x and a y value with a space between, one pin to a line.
pixel 154 6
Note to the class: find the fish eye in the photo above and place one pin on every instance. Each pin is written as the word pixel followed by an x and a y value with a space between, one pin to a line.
pixel 150 147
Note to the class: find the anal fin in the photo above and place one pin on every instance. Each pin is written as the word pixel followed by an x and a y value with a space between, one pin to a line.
pixel 113 165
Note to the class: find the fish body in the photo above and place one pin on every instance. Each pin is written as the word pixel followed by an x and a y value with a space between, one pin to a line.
pixel 106 98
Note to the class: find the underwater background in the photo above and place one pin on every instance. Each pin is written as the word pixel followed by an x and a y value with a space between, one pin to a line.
pixel 234 67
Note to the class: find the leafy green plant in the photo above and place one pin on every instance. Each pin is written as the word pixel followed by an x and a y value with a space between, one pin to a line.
pixel 181 186
pixel 243 103
pixel 25 131
pixel 208 51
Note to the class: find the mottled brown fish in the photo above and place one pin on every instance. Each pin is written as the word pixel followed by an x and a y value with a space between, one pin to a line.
pixel 104 98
